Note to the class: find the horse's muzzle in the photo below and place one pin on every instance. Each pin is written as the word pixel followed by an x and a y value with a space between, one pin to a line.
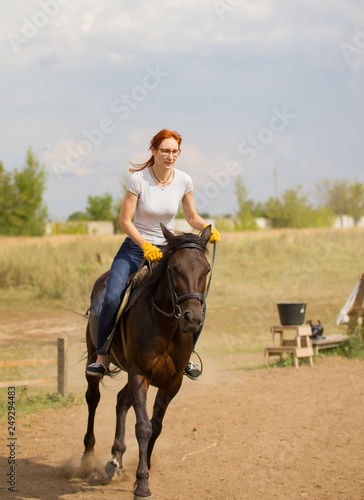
pixel 190 321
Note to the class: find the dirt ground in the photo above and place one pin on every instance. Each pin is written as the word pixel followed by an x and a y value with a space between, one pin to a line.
pixel 235 434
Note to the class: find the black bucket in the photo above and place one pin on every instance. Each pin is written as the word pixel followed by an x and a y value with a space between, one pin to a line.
pixel 291 313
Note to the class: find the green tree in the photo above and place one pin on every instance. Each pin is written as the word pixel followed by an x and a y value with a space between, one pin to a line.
pixel 104 207
pixel 76 216
pixel 334 195
pixel 342 197
pixel 259 210
pixel 244 217
pixel 21 199
pixel 100 207
pixel 7 200
pixel 294 210
pixel 356 201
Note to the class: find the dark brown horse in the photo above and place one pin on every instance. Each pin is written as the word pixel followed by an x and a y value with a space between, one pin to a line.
pixel 158 330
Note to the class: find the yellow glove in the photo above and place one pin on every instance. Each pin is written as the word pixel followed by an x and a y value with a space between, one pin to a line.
pixel 215 235
pixel 151 252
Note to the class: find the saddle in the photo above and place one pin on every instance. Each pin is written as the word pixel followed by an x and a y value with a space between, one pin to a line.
pixel 131 295
pixel 134 282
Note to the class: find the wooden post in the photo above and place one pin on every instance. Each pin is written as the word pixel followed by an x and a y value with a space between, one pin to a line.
pixel 62 366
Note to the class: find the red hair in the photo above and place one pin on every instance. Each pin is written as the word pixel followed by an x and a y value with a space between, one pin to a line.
pixel 154 144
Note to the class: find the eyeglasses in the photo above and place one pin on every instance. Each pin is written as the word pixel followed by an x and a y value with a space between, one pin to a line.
pixel 167 152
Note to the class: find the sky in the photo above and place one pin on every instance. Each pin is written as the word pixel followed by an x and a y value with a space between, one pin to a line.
pixel 271 91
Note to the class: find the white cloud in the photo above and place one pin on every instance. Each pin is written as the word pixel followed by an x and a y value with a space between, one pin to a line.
pixel 69 158
pixel 255 28
pixel 225 75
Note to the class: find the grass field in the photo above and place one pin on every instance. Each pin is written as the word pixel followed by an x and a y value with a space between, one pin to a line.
pixel 253 271
pixel 265 420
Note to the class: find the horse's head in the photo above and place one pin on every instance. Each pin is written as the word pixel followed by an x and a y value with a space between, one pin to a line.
pixel 187 272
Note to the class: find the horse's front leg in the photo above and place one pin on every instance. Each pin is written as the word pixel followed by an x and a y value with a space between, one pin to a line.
pixel 118 449
pixel 138 388
pixel 92 398
pixel 162 400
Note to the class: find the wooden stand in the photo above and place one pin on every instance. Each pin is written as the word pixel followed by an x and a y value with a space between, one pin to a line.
pixel 328 342
pixel 300 345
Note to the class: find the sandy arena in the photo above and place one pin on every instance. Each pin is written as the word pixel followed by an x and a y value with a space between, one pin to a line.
pixel 233 435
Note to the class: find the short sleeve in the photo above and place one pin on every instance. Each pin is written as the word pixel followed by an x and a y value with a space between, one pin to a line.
pixel 134 185
pixel 188 184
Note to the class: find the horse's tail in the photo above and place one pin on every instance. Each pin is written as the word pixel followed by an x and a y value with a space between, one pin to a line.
pixel 84 316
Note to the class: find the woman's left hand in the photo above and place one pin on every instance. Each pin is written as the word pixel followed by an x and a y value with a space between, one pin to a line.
pixel 215 235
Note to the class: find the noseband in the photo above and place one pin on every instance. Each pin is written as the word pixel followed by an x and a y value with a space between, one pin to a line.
pixel 177 312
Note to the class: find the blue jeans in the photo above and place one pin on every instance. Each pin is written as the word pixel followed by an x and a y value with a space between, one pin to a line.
pixel 126 262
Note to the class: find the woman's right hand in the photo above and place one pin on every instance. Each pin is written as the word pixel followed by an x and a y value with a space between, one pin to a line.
pixel 151 252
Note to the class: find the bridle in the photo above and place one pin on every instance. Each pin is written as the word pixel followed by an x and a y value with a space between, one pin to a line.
pixel 177 312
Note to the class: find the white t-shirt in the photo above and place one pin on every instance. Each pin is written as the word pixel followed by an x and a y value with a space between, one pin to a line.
pixel 156 204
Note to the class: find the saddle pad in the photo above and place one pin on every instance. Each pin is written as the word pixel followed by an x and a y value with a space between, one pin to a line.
pixel 134 282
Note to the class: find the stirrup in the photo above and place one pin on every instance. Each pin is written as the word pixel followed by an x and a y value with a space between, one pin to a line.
pixel 194 370
pixel 96 370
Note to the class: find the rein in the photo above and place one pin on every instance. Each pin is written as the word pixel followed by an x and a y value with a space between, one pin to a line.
pixel 177 312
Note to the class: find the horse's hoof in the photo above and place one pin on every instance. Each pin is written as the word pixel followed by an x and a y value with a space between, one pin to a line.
pixel 95 478
pixel 141 491
pixel 87 461
pixel 112 469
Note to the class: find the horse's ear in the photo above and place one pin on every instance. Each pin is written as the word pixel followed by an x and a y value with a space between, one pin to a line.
pixel 166 232
pixel 206 235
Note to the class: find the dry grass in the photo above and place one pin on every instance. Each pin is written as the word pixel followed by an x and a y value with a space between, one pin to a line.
pixel 253 271
pixel 57 268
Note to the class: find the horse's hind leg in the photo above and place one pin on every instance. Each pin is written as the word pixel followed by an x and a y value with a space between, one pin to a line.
pixel 92 398
pixel 162 400
pixel 118 449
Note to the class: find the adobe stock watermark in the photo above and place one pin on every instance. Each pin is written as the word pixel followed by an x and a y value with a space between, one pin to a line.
pixel 223 6
pixel 31 27
pixel 277 124
pixel 121 107
pixel 219 181
pixel 248 148
pixel 350 50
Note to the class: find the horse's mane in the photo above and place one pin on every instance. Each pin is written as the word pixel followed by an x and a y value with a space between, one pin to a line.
pixel 153 279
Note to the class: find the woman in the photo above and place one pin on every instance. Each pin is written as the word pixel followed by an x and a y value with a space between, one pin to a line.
pixel 153 194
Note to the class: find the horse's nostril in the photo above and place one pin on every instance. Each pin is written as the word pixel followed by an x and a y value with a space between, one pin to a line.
pixel 187 316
